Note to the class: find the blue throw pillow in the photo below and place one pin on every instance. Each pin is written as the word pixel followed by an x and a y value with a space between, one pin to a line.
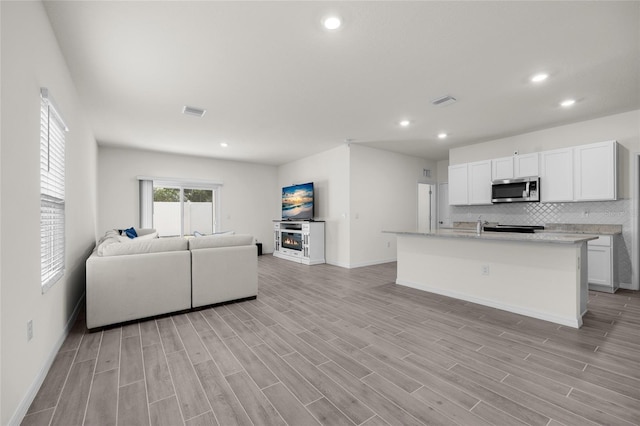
pixel 131 232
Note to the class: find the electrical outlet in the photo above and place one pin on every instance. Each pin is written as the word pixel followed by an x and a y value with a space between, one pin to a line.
pixel 485 269
pixel 29 330
pixel 388 244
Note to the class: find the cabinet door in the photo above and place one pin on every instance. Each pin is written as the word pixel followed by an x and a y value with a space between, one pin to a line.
pixel 479 182
pixel 599 261
pixel 502 168
pixel 596 171
pixel 526 165
pixel 556 175
pixel 458 182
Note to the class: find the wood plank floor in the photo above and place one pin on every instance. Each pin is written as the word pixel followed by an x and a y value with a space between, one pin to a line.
pixel 327 345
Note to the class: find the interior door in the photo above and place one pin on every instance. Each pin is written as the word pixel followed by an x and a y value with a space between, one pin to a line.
pixel 444 215
pixel 425 207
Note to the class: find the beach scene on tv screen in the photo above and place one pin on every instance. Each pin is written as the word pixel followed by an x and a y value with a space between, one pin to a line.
pixel 297 202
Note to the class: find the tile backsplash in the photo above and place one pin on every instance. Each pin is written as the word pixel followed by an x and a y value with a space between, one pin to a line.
pixel 596 212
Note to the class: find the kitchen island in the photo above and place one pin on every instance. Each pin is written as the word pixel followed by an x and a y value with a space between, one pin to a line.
pixel 541 275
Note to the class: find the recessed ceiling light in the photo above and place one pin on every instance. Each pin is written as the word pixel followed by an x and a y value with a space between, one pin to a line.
pixel 567 103
pixel 442 135
pixel 539 77
pixel 332 22
pixel 405 123
pixel 224 144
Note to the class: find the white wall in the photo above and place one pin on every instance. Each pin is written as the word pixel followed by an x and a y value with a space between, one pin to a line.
pixel 443 171
pixel 621 127
pixel 361 191
pixel 329 171
pixel 384 197
pixel 247 200
pixel 30 60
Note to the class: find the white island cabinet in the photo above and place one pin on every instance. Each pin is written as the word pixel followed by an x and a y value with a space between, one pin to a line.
pixel 539 275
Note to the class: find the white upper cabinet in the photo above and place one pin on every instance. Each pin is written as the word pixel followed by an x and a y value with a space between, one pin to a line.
pixel 502 168
pixel 517 166
pixel 556 175
pixel 479 182
pixel 526 165
pixel 595 171
pixel 581 173
pixel 458 185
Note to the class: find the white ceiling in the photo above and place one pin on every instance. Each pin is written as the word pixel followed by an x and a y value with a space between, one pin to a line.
pixel 277 87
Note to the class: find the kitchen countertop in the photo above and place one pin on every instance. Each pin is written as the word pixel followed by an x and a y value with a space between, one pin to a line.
pixel 540 237
pixel 575 228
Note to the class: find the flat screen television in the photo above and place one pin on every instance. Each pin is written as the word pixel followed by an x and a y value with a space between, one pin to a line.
pixel 297 202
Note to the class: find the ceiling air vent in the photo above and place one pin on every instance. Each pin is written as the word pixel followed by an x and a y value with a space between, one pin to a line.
pixel 187 110
pixel 443 100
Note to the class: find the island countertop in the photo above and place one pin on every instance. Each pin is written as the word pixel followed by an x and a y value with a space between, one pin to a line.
pixel 542 237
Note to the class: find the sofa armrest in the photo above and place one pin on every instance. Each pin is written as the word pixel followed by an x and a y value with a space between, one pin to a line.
pixel 223 274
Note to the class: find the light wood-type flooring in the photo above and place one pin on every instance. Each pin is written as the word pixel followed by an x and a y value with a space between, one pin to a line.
pixel 323 344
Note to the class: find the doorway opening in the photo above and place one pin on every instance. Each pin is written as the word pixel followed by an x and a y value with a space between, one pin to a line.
pixel 426 207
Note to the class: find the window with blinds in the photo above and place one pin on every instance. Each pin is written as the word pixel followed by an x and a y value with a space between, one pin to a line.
pixel 52 193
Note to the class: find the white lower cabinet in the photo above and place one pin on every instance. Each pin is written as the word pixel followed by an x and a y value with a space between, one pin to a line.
pixel 601 259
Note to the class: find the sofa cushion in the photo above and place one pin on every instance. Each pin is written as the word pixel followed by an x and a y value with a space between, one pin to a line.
pixel 110 237
pixel 215 241
pixel 113 236
pixel 125 239
pixel 155 245
pixel 145 231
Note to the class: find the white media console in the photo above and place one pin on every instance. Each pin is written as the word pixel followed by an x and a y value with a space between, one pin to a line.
pixel 299 241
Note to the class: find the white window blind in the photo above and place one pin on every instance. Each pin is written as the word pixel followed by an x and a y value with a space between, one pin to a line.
pixel 52 192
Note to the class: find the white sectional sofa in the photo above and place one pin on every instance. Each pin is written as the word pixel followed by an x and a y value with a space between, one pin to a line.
pixel 222 269
pixel 149 276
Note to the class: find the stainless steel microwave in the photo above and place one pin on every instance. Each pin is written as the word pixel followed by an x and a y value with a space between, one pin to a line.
pixel 515 190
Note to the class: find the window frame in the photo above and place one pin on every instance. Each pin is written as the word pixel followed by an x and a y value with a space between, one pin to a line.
pixel 52 192
pixel 147 184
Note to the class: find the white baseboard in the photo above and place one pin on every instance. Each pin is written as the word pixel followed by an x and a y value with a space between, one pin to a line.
pixel 372 262
pixel 24 405
pixel 627 286
pixel 360 264
pixel 340 264
pixel 569 322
